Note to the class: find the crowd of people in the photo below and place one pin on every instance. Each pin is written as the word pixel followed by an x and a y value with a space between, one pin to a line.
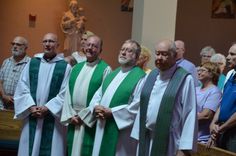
pixel 79 106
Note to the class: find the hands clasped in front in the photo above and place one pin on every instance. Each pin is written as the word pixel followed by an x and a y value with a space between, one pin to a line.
pixel 38 111
pixel 76 120
pixel 215 133
pixel 102 112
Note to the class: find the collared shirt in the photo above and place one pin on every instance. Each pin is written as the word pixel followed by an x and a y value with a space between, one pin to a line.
pixel 10 73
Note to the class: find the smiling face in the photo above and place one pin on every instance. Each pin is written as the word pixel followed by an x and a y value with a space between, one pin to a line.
pixel 164 57
pixel 231 58
pixel 93 48
pixel 127 56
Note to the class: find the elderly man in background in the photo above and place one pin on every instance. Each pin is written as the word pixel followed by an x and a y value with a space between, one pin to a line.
pixel 10 71
pixel 38 100
pixel 167 120
pixel 182 62
pixel 85 79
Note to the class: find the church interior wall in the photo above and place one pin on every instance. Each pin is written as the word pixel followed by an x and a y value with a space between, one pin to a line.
pixel 104 18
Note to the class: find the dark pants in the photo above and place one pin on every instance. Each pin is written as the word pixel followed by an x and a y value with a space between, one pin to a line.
pixel 228 140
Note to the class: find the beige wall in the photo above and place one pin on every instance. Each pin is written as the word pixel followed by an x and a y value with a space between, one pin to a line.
pixel 153 21
pixel 104 19
pixel 107 21
pixel 196 27
pixel 15 21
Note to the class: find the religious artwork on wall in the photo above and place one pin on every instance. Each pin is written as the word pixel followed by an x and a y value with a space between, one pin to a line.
pixel 223 8
pixel 127 5
pixel 73 26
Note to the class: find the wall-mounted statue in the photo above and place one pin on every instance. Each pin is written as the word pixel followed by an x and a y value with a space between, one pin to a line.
pixel 73 25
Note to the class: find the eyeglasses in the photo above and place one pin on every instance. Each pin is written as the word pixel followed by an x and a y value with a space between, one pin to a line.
pixel 50 41
pixel 17 44
pixel 202 69
pixel 206 56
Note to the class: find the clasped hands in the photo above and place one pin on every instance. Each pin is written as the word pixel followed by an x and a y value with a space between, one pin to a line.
pixel 102 112
pixel 215 132
pixel 38 111
pixel 76 120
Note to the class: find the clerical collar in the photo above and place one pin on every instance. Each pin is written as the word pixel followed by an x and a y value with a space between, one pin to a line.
pixel 168 73
pixel 93 63
pixel 126 69
pixel 48 59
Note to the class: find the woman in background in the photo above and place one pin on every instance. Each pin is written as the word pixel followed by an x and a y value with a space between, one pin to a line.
pixel 208 98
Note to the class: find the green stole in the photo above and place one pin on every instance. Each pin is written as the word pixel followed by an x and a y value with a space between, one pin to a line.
pixel 94 84
pixel 48 123
pixel 121 96
pixel 162 128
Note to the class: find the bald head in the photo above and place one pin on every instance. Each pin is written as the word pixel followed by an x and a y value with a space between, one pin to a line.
pixel 50 45
pixel 165 52
pixel 180 49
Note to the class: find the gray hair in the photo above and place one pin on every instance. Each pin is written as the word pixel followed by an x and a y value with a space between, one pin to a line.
pixel 218 58
pixel 24 40
pixel 208 50
pixel 137 48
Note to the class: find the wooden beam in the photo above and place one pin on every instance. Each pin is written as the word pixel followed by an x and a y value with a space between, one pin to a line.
pixel 213 151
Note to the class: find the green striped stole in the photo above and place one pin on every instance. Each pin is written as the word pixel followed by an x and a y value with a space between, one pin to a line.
pixel 162 128
pixel 94 84
pixel 48 123
pixel 122 96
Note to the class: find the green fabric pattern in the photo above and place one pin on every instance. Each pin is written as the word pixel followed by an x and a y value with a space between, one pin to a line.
pixel 161 138
pixel 144 99
pixel 33 73
pixel 70 138
pixel 73 76
pixel 94 84
pixel 121 96
pixel 48 124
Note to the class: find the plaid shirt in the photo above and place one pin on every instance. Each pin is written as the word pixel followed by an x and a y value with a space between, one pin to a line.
pixel 10 73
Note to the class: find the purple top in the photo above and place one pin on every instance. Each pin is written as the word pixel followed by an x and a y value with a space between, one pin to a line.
pixel 189 67
pixel 209 98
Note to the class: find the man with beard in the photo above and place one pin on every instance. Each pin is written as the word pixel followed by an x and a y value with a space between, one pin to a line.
pixel 85 79
pixel 222 128
pixel 116 103
pixel 166 123
pixel 11 70
pixel 38 100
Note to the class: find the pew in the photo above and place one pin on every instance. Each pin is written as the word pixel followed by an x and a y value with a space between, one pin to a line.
pixel 213 151
pixel 10 130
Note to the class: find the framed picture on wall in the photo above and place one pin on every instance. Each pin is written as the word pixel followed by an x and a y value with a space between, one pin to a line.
pixel 127 5
pixel 223 9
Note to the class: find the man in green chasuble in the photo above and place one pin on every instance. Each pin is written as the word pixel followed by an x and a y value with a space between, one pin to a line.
pixel 86 77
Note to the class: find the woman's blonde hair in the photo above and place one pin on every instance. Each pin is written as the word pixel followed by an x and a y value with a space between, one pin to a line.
pixel 213 68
